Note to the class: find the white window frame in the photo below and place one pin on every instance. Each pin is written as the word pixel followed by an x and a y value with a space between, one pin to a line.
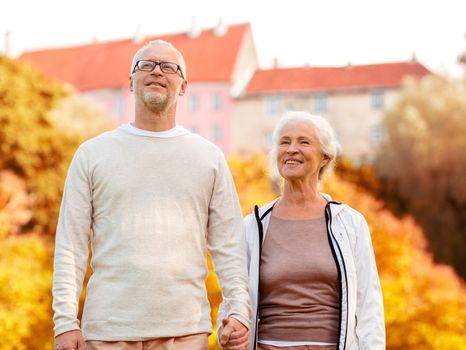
pixel 193 103
pixel 377 99
pixel 272 105
pixel 320 103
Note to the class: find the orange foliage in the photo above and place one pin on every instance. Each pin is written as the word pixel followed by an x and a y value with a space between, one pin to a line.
pixel 425 303
pixel 34 157
pixel 214 294
pixel 25 299
pixel 251 180
pixel 15 204
pixel 422 162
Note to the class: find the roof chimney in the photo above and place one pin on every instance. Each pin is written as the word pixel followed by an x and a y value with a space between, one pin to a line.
pixel 275 62
pixel 220 29
pixel 138 36
pixel 195 31
pixel 462 56
pixel 413 57
pixel 7 48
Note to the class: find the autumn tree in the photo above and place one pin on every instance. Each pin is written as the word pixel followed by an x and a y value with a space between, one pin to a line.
pixel 33 157
pixel 425 303
pixel 15 204
pixel 25 272
pixel 40 126
pixel 79 116
pixel 252 180
pixel 30 146
pixel 422 162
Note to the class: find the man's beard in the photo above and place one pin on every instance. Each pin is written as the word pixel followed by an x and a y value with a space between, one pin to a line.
pixel 156 102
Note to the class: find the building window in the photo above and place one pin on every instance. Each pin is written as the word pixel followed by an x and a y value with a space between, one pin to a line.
pixel 193 103
pixel 119 107
pixel 216 102
pixel 290 107
pixel 320 103
pixel 272 105
pixel 216 133
pixel 268 137
pixel 376 135
pixel 377 99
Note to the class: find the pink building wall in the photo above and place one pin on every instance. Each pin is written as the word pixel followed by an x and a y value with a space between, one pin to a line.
pixel 196 110
pixel 212 123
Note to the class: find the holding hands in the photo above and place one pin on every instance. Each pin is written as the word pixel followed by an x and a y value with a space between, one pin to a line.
pixel 233 335
pixel 72 340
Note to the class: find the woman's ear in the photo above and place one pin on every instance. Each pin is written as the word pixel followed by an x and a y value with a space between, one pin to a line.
pixel 325 160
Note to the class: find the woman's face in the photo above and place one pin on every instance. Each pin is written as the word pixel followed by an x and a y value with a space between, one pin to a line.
pixel 299 156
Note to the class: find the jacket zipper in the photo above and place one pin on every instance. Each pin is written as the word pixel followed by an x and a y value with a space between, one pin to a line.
pixel 260 230
pixel 328 220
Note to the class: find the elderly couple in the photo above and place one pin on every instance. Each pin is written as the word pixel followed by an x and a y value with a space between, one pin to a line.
pixel 150 197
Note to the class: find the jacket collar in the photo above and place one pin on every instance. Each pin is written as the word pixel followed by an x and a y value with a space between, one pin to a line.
pixel 336 207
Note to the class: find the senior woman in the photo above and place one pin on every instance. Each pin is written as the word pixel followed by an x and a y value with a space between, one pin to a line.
pixel 312 273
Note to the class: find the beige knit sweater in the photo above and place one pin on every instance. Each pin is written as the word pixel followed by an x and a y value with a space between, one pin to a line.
pixel 154 205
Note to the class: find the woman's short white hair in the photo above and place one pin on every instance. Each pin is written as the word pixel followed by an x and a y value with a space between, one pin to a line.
pixel 324 131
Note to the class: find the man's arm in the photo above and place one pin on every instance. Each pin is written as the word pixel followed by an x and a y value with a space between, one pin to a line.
pixel 227 245
pixel 71 245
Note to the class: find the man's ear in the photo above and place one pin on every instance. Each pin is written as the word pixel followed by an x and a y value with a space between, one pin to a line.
pixel 184 84
pixel 131 83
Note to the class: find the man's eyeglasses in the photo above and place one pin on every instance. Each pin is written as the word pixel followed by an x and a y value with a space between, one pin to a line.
pixel 165 67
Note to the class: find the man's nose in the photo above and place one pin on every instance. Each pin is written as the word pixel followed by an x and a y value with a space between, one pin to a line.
pixel 157 70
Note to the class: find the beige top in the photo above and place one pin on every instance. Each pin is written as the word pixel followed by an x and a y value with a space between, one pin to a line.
pixel 299 292
pixel 154 205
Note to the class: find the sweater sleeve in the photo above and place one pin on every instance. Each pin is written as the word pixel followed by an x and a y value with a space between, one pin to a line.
pixel 370 325
pixel 227 245
pixel 71 245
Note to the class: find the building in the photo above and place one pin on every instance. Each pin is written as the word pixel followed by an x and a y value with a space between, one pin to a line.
pixel 220 61
pixel 353 98
pixel 229 100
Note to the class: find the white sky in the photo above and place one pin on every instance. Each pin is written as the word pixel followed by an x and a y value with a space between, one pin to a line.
pixel 297 32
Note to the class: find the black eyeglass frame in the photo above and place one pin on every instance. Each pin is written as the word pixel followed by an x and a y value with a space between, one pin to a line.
pixel 158 63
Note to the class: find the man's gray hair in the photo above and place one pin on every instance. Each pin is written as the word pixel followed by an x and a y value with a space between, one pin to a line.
pixel 324 131
pixel 181 60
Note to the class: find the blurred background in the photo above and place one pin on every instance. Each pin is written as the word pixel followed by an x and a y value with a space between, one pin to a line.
pixel 389 76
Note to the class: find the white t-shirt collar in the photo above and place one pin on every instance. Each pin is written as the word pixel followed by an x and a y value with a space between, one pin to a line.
pixel 175 131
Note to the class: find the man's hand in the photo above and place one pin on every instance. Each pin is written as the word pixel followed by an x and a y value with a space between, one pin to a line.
pixel 233 335
pixel 72 340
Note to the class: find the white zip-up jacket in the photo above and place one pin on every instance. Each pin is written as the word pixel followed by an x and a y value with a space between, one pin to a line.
pixel 362 325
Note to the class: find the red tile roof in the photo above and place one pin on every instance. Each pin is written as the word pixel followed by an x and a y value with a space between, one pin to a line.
pixel 310 79
pixel 209 58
